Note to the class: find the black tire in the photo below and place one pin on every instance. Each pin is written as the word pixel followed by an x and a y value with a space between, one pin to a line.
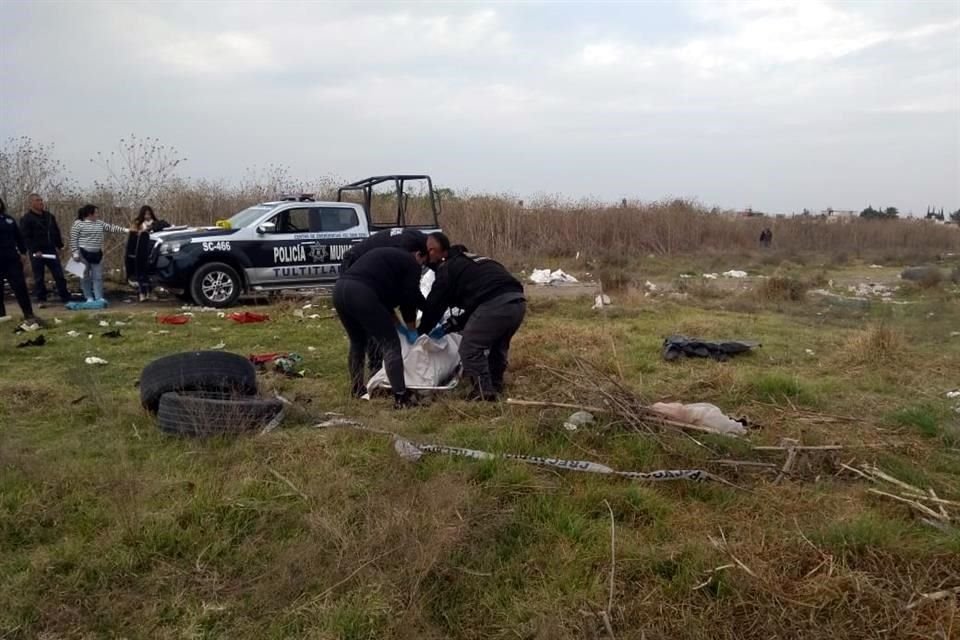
pixel 215 284
pixel 213 414
pixel 217 371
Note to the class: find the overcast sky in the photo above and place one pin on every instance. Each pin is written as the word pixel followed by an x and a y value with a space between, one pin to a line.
pixel 773 105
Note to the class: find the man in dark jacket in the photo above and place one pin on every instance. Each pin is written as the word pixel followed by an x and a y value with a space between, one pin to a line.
pixel 12 248
pixel 406 239
pixel 42 237
pixel 365 298
pixel 493 305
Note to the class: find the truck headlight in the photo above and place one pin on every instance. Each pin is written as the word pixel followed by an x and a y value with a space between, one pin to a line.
pixel 168 248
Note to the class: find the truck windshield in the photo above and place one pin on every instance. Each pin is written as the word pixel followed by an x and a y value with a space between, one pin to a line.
pixel 248 216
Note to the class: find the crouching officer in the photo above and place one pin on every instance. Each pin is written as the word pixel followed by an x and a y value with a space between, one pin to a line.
pixel 12 248
pixel 408 240
pixel 493 305
pixel 365 298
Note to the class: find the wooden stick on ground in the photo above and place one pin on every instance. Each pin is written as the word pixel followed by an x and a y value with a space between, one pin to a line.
pixel 788 465
pixel 925 510
pixel 936 595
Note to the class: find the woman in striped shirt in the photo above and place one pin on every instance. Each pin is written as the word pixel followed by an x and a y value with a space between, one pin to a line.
pixel 86 242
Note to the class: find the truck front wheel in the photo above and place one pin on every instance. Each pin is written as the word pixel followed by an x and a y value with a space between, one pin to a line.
pixel 215 284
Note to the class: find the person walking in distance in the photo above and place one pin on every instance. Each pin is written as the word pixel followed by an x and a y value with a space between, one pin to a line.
pixel 42 236
pixel 365 298
pixel 494 307
pixel 144 224
pixel 12 248
pixel 86 243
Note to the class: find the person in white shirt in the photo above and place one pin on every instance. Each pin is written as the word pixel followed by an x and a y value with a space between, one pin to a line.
pixel 86 243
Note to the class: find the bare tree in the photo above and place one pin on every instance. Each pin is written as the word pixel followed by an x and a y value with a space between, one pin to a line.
pixel 138 172
pixel 29 167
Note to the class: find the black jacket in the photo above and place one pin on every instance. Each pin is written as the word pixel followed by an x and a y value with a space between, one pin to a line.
pixel 11 241
pixel 394 275
pixel 466 281
pixel 139 247
pixel 409 240
pixel 41 232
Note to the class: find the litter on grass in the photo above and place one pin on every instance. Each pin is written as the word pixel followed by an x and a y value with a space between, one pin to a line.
pixel 181 319
pixel 734 273
pixel 104 323
pixel 246 317
pixel 39 341
pixel 601 301
pixel 73 334
pixel 88 305
pixel 218 346
pixel 545 276
pixel 676 347
pixel 95 360
pixel 702 414
pixel 287 364
pixel 577 420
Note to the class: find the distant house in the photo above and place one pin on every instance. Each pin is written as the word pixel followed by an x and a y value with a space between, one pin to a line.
pixel 839 215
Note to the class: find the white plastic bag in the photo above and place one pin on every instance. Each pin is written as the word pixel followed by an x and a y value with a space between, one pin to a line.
pixel 702 414
pixel 427 364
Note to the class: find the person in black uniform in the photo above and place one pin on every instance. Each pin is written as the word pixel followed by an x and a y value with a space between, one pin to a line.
pixel 493 305
pixel 365 298
pixel 406 239
pixel 12 247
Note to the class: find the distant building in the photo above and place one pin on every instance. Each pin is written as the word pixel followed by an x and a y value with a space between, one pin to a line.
pixel 839 215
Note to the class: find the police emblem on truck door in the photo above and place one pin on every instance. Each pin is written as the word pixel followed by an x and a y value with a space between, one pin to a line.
pixel 319 252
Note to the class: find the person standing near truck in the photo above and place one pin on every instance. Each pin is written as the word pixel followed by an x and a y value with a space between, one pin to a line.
pixel 86 242
pixel 44 242
pixel 144 224
pixel 407 239
pixel 12 248
pixel 365 298
pixel 494 307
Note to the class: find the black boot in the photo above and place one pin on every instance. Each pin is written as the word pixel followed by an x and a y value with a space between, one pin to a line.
pixel 404 400
pixel 483 389
pixel 358 390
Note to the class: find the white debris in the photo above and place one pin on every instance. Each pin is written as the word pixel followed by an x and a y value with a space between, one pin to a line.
pixel 311 348
pixel 307 306
pixel 545 276
pixel 649 286
pixel 684 276
pixel 218 346
pixel 118 323
pixel 57 321
pixel 809 352
pixel 313 316
pixel 298 313
pixel 601 301
pixel 104 323
pixel 702 414
pixel 577 420
pixel 953 394
pixel 221 314
pixel 187 313
pixel 89 336
pixel 876 266
pixel 865 289
pixel 73 334
pixel 955 334
pixel 95 360
pixel 734 273
pixel 710 276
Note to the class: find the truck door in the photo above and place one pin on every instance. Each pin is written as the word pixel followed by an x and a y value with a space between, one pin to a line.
pixel 279 252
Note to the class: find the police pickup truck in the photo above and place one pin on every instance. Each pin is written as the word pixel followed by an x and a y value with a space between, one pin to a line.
pixel 294 243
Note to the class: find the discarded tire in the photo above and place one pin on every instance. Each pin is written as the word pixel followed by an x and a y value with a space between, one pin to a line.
pixel 211 414
pixel 217 371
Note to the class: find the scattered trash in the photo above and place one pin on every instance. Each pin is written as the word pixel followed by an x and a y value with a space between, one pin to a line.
pixel 188 314
pixel 245 317
pixel 710 276
pixel 104 323
pixel 27 326
pixel 311 348
pixel 955 334
pixel 221 314
pixel 865 289
pixel 285 363
pixel 73 334
pixel 676 347
pixel 953 394
pixel 111 334
pixel 39 341
pixel 809 352
pixel 876 266
pixel 307 306
pixel 181 319
pixel 601 301
pixel 218 346
pixel 57 321
pixel 702 414
pixel 734 273
pixel 545 276
pixel 313 316
pixel 298 313
pixel 118 323
pixel 649 286
pixel 577 420
pixel 95 360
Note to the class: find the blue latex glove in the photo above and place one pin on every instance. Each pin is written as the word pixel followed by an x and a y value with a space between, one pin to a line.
pixel 411 334
pixel 437 332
